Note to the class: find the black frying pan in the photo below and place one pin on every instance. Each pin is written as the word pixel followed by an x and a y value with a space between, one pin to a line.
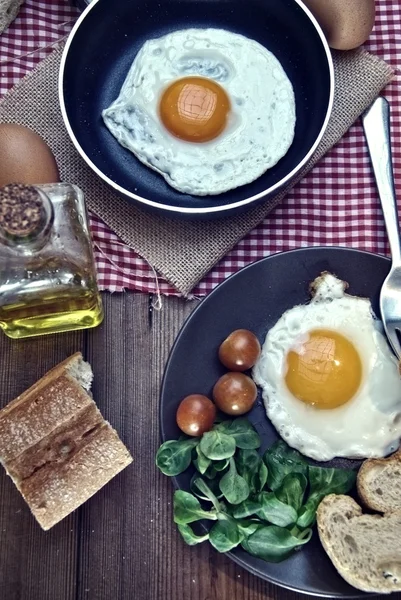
pixel 102 47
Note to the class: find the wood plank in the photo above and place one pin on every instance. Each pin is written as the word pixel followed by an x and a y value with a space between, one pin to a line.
pixel 122 543
pixel 183 572
pixel 130 547
pixel 34 565
pixel 118 553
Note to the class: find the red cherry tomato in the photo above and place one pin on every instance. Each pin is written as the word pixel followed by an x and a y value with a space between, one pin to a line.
pixel 240 350
pixel 235 393
pixel 195 414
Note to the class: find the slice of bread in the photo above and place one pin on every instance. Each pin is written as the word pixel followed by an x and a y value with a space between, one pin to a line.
pixel 55 444
pixel 379 483
pixel 365 549
pixel 8 11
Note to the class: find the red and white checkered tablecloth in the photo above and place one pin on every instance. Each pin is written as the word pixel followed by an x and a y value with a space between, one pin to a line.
pixel 335 204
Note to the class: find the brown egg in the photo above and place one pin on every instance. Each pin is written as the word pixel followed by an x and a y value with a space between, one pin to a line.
pixel 25 157
pixel 346 23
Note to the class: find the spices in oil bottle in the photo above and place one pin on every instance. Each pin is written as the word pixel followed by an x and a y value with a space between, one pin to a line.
pixel 47 271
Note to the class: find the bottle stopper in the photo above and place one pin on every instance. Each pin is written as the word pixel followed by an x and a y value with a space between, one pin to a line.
pixel 21 209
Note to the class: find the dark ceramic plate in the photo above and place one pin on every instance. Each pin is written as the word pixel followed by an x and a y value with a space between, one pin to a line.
pixel 254 298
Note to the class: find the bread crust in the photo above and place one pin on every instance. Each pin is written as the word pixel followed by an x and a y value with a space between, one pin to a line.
pixel 51 375
pixel 56 490
pixel 342 513
pixel 50 401
pixel 56 445
pixel 368 495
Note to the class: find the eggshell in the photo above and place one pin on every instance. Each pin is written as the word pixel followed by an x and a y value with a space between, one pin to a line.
pixel 346 23
pixel 25 157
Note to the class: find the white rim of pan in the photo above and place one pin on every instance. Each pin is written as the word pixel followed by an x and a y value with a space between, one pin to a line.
pixel 194 211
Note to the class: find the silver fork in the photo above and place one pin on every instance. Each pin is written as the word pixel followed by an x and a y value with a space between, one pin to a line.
pixel 376 124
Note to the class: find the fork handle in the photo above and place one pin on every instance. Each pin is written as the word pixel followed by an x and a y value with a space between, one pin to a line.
pixel 376 124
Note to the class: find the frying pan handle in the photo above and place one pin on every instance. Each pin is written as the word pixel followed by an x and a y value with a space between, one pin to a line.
pixel 82 4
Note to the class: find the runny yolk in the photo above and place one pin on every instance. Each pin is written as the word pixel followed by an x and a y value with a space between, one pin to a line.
pixel 194 109
pixel 325 371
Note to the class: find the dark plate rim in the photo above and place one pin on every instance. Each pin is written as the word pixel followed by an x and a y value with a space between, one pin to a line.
pixel 209 297
pixel 167 208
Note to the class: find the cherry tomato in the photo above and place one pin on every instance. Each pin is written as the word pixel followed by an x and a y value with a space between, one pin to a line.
pixel 240 350
pixel 234 393
pixel 195 414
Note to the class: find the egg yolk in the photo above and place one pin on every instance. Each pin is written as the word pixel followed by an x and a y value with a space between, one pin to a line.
pixel 194 109
pixel 325 371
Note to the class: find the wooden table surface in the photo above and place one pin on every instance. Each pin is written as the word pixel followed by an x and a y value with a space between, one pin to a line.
pixel 122 543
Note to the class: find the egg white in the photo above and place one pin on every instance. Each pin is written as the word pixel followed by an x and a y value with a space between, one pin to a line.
pixel 260 128
pixel 369 425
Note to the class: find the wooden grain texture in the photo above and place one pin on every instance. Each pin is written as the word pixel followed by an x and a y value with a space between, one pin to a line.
pixel 122 544
pixel 34 565
pixel 129 547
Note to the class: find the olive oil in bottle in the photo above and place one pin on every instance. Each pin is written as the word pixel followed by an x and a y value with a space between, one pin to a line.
pixel 47 270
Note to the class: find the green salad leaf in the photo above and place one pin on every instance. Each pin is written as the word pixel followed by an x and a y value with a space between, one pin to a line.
pixel 266 504
pixel 324 481
pixel 248 462
pixel 292 490
pixel 203 490
pixel 267 507
pixel 201 462
pixel 260 478
pixel 189 536
pixel 252 468
pixel 273 543
pixel 330 481
pixel 221 465
pixel 248 526
pixel 233 486
pixel 187 509
pixel 174 456
pixel 281 460
pixel 272 510
pixel 247 508
pixel 225 535
pixel 215 468
pixel 242 430
pixel 216 445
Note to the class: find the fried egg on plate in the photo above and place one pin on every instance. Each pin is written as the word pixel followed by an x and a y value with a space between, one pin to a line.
pixel 208 109
pixel 330 383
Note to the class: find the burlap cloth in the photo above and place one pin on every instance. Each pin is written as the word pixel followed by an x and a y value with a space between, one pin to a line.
pixel 183 252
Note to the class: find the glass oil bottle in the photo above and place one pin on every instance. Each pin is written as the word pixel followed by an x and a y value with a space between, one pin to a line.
pixel 47 271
